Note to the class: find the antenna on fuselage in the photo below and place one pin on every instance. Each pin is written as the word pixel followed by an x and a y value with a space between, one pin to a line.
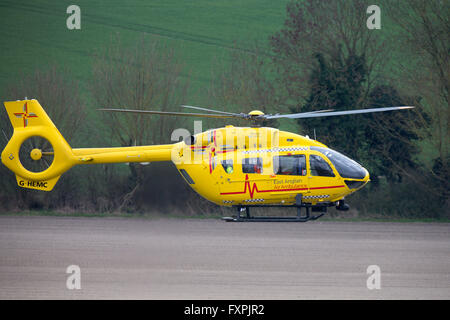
pixel 315 134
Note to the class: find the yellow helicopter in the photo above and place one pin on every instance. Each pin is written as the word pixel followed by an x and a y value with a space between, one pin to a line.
pixel 239 167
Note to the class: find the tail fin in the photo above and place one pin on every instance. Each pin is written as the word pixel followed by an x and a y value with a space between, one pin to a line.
pixel 34 166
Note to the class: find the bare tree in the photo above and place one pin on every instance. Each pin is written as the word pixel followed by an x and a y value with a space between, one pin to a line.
pixel 246 83
pixel 146 75
pixel 57 92
pixel 425 40
pixel 335 29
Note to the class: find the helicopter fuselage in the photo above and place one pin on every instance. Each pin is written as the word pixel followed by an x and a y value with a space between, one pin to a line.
pixel 244 166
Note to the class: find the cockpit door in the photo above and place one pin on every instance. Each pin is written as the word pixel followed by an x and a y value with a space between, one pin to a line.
pixel 322 178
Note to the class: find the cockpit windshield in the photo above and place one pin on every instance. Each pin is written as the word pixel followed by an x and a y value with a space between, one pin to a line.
pixel 346 167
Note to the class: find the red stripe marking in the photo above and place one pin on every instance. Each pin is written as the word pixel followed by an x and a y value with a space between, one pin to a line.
pixel 25 114
pixel 255 188
pixel 261 191
pixel 210 165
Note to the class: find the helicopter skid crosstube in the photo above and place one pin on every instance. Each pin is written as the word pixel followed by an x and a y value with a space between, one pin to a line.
pixel 272 219
pixel 249 218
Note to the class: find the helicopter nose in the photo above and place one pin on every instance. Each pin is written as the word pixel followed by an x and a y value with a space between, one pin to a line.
pixel 361 182
pixel 367 177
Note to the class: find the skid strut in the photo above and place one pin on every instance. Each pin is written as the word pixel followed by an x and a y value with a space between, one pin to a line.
pixel 298 218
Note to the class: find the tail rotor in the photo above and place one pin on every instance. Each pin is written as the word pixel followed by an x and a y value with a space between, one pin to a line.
pixel 36 154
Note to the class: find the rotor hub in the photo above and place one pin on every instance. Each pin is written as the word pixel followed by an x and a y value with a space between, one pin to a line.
pixel 256 113
pixel 36 154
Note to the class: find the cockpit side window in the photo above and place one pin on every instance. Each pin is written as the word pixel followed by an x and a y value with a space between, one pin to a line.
pixel 345 166
pixel 319 167
pixel 228 165
pixel 252 165
pixel 294 165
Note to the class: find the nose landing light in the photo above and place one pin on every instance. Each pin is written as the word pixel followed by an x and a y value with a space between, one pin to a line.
pixel 352 184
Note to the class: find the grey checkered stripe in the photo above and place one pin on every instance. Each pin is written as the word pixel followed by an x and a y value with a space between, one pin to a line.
pixel 316 197
pixel 276 150
pixel 254 200
pixel 228 201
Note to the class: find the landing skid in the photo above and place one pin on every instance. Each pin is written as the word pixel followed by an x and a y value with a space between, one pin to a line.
pixel 248 218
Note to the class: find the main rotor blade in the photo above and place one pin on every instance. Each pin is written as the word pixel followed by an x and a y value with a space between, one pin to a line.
pixel 167 113
pixel 270 116
pixel 318 111
pixel 212 110
pixel 4 135
pixel 335 113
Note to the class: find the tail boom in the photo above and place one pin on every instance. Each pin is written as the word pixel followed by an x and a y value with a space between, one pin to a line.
pixel 124 154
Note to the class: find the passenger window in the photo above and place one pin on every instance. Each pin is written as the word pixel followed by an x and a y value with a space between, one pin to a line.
pixel 319 167
pixel 290 165
pixel 228 165
pixel 252 165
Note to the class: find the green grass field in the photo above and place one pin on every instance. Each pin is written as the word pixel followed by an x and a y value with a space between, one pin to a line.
pixel 33 34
